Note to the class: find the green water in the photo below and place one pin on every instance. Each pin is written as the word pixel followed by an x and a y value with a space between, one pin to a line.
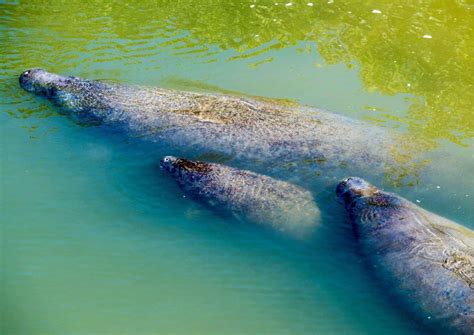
pixel 95 240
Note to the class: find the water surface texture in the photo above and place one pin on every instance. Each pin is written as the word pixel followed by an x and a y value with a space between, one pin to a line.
pixel 95 239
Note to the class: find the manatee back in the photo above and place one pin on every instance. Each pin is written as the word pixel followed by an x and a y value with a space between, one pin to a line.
pixel 248 129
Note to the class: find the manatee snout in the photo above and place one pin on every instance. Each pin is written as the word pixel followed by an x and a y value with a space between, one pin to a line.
pixel 41 82
pixel 353 187
pixel 27 80
pixel 167 163
pixel 348 186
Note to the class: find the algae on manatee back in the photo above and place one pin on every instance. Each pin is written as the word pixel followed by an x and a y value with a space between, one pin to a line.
pixel 185 84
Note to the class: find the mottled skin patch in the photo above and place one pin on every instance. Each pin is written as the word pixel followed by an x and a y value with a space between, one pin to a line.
pixel 262 133
pixel 247 195
pixel 427 260
pixel 462 266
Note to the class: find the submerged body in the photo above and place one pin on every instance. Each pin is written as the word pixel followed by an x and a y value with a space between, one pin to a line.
pixel 426 260
pixel 263 133
pixel 247 195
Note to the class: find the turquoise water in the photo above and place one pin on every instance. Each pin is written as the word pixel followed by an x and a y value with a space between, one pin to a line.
pixel 95 239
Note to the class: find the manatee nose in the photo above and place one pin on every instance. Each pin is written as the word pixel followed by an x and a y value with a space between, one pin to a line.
pixel 354 182
pixel 26 73
pixel 345 185
pixel 347 180
pixel 28 78
pixel 25 77
pixel 166 161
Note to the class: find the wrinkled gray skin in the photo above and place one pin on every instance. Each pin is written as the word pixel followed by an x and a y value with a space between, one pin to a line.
pixel 247 195
pixel 427 260
pixel 260 133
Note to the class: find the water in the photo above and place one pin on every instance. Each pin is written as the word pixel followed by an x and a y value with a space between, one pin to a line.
pixel 95 239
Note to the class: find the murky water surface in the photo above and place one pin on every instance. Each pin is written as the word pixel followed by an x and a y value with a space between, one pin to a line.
pixel 95 239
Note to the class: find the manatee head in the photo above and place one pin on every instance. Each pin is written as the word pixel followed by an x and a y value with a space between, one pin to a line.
pixel 369 207
pixel 40 82
pixel 353 188
pixel 71 93
pixel 185 171
pixel 46 84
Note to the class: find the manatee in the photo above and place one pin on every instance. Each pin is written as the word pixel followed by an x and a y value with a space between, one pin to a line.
pixel 424 259
pixel 259 134
pixel 246 195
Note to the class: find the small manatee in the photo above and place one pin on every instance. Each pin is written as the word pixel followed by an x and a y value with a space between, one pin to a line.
pixel 424 259
pixel 247 195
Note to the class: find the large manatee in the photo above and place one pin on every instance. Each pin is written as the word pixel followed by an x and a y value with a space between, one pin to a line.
pixel 247 195
pixel 426 260
pixel 261 132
